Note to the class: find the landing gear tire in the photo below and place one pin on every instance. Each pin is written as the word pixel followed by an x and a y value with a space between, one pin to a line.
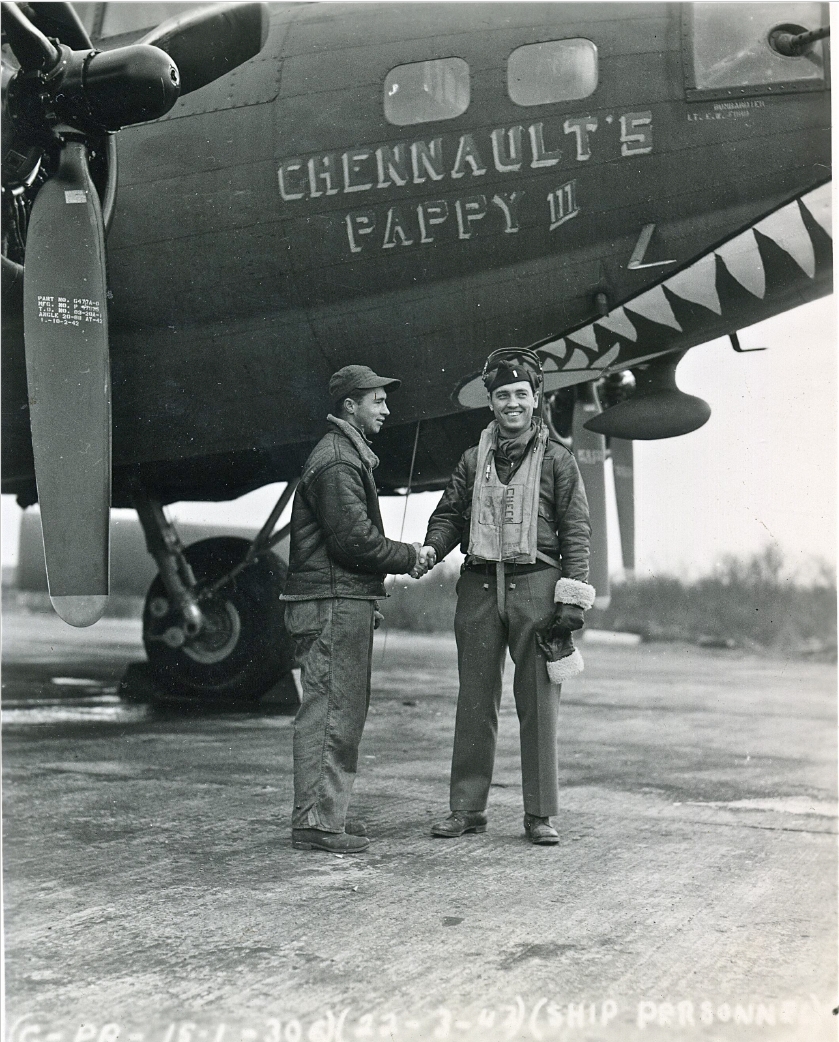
pixel 243 649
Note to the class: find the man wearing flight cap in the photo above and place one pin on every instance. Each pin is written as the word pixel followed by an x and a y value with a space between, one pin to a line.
pixel 338 560
pixel 517 506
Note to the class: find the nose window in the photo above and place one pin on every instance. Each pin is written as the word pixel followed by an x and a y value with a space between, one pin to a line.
pixel 558 70
pixel 424 92
pixel 731 51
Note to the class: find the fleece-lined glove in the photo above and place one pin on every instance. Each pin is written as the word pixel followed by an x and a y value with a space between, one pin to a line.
pixel 573 598
pixel 568 617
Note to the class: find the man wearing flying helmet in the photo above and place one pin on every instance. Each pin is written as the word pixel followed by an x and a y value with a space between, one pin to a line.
pixel 516 505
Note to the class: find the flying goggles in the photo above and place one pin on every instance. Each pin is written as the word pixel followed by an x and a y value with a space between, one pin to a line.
pixel 509 364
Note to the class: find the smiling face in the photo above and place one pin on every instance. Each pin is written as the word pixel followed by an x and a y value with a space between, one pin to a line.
pixel 369 412
pixel 512 406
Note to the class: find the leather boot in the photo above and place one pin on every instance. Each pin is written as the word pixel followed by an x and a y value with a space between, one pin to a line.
pixel 540 831
pixel 334 842
pixel 460 821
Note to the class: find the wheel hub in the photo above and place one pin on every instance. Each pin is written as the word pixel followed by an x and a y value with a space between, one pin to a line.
pixel 219 635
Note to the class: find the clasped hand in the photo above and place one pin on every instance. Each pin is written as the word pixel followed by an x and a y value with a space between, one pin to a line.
pixel 426 559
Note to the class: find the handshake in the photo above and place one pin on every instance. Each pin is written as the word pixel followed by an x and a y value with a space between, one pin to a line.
pixel 426 559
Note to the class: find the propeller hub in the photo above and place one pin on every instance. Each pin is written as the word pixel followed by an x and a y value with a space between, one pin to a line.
pixel 126 86
pixel 652 416
pixel 96 90
pixel 656 409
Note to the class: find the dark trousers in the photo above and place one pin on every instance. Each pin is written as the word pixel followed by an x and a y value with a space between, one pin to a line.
pixel 334 650
pixel 482 639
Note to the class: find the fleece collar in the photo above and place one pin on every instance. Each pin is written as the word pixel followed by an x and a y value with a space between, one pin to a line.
pixel 358 439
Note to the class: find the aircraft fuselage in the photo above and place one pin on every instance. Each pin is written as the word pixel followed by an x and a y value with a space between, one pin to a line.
pixel 276 226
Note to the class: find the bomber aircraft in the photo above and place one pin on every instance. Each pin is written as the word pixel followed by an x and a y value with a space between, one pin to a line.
pixel 205 216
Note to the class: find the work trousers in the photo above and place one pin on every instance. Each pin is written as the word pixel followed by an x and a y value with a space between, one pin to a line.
pixel 483 636
pixel 333 641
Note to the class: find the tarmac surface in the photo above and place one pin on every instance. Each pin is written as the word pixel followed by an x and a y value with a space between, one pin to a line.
pixel 152 893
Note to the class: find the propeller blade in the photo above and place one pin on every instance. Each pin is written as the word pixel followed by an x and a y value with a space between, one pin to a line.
pixel 590 452
pixel 59 20
pixel 623 471
pixel 68 375
pixel 29 45
pixel 208 43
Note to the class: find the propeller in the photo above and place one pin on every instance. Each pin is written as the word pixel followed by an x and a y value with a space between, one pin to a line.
pixel 590 452
pixel 68 375
pixel 657 409
pixel 209 42
pixel 58 20
pixel 623 472
pixel 57 110
pixel 614 388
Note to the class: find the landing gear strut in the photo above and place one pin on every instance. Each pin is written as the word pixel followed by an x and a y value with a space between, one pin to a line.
pixel 213 622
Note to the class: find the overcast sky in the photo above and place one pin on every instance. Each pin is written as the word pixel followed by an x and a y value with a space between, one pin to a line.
pixel 762 470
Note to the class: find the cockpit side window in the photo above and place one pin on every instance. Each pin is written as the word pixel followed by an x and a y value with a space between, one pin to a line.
pixel 424 92
pixel 557 70
pixel 729 49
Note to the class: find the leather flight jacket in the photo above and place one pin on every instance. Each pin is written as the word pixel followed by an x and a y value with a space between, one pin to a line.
pixel 563 526
pixel 338 545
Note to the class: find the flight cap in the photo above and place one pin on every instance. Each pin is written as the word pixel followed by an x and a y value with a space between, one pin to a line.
pixel 357 378
pixel 510 365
